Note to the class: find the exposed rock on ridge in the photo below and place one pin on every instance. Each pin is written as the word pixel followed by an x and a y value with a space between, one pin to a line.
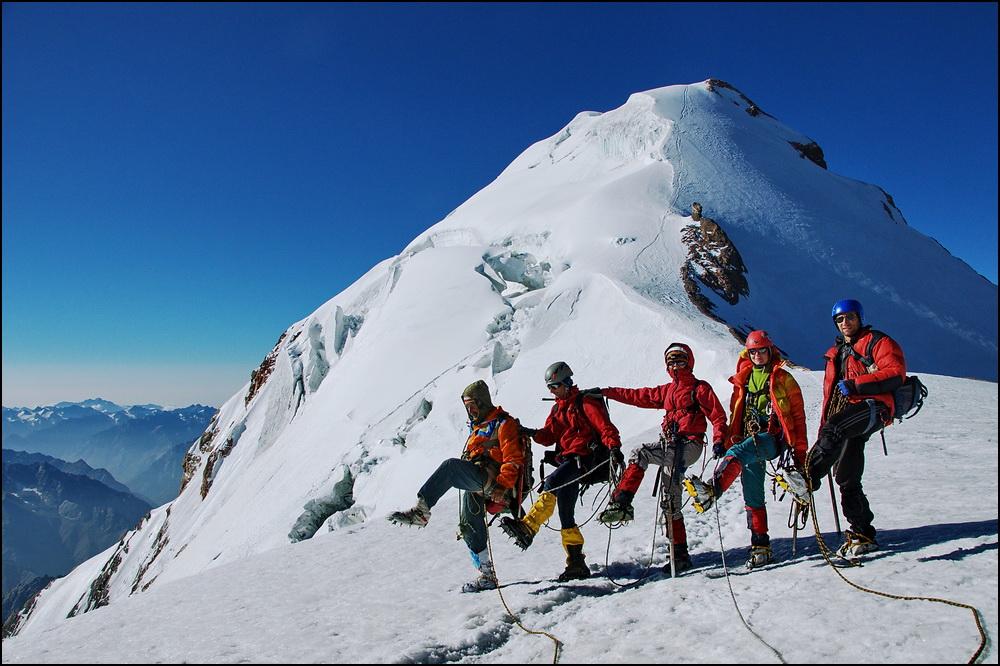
pixel 713 261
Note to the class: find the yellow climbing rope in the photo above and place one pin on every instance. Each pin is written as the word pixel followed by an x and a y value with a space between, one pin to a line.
pixel 557 643
pixel 825 550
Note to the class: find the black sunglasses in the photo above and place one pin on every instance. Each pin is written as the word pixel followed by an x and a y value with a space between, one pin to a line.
pixel 850 316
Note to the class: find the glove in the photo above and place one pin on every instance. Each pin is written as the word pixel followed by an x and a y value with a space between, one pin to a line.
pixel 530 432
pixel 718 450
pixel 846 386
pixel 617 458
pixel 596 392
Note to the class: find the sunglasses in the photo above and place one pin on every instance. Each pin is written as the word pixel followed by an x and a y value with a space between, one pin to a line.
pixel 850 316
pixel 553 387
pixel 671 364
pixel 759 351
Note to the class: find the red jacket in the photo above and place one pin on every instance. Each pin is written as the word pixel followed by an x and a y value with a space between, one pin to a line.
pixel 786 403
pixel 877 382
pixel 686 401
pixel 572 429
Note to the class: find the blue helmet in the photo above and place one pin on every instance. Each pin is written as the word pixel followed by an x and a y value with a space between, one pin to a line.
pixel 849 305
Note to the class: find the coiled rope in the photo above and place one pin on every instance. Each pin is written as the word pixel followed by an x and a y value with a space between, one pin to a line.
pixel 826 551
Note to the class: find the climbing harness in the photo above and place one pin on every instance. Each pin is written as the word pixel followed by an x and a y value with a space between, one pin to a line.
pixel 599 500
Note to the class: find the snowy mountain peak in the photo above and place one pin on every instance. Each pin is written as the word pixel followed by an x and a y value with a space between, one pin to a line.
pixel 686 214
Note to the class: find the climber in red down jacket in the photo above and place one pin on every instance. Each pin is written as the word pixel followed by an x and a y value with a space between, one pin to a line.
pixel 688 404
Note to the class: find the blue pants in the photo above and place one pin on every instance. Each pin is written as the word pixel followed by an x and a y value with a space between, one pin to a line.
pixel 467 476
pixel 567 475
pixel 751 453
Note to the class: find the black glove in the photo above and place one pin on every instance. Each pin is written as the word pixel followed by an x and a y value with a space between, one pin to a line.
pixel 596 392
pixel 718 449
pixel 530 432
pixel 617 458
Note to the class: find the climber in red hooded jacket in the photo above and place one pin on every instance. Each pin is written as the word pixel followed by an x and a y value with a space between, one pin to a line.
pixel 688 404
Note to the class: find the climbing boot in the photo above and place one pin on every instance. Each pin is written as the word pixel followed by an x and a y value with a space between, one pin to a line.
pixel 619 510
pixel 794 482
pixel 856 544
pixel 418 515
pixel 703 494
pixel 682 560
pixel 487 579
pixel 759 556
pixel 760 551
pixel 518 531
pixel 576 565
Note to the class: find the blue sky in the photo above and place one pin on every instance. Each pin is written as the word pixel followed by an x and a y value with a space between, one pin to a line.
pixel 182 182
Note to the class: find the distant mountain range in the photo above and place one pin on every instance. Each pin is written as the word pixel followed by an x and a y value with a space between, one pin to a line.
pixel 57 514
pixel 142 446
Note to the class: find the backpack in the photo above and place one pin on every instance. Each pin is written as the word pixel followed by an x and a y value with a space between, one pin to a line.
pixel 525 479
pixel 907 398
pixel 601 454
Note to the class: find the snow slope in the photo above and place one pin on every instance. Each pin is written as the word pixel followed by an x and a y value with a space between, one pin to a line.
pixel 574 253
pixel 379 593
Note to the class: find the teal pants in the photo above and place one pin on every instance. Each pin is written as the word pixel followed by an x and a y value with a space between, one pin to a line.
pixel 751 453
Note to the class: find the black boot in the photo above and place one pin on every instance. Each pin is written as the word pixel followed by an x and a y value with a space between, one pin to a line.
pixel 518 531
pixel 682 560
pixel 576 566
pixel 760 551
pixel 619 510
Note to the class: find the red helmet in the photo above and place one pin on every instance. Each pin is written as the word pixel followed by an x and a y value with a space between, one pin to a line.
pixel 758 339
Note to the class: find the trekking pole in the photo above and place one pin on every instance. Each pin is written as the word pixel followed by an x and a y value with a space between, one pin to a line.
pixel 833 499
pixel 668 509
pixel 676 469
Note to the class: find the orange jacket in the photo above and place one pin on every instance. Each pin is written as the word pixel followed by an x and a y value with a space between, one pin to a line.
pixel 877 382
pixel 498 437
pixel 786 403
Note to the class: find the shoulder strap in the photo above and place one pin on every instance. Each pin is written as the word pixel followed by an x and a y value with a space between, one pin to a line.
pixel 596 443
pixel 868 359
pixel 695 405
pixel 493 428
